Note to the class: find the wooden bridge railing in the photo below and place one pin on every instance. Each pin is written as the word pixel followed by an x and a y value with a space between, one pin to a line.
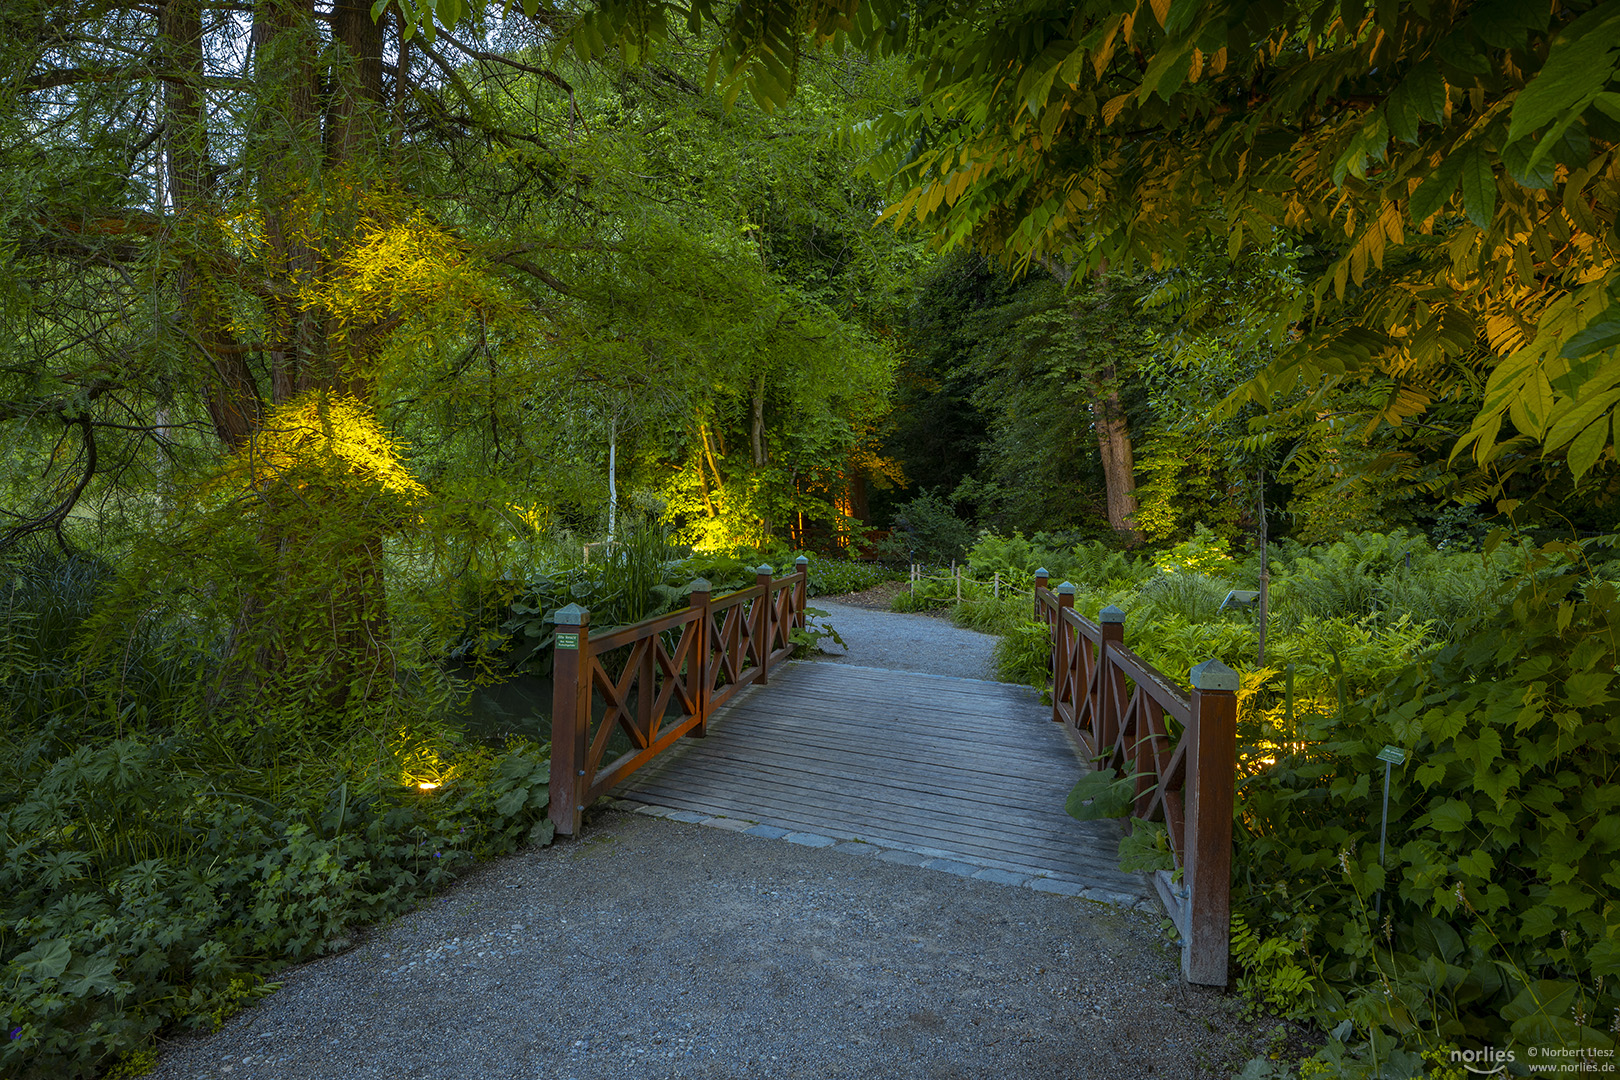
pixel 1181 747
pixel 677 669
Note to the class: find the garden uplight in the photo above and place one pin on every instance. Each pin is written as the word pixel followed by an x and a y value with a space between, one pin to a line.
pixel 427 785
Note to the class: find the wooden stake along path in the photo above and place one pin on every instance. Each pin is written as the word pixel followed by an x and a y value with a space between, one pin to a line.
pixel 955 769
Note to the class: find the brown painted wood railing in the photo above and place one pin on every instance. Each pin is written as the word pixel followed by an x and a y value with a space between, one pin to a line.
pixel 1182 748
pixel 678 668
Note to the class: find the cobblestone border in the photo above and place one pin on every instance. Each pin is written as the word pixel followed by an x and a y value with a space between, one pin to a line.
pixel 926 858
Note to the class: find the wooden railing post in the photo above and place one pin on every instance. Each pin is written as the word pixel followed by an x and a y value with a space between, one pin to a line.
pixel 570 717
pixel 1041 578
pixel 801 590
pixel 1060 649
pixel 762 625
pixel 697 660
pixel 1111 620
pixel 1207 847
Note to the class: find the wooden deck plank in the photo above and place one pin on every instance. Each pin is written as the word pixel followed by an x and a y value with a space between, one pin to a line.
pixel 1029 834
pixel 1011 804
pixel 928 763
pixel 1096 871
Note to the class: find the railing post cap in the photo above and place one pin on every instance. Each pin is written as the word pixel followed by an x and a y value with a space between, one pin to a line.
pixel 764 568
pixel 1066 589
pixel 573 615
pixel 1214 675
pixel 1110 614
pixel 1043 572
pixel 699 585
pixel 802 560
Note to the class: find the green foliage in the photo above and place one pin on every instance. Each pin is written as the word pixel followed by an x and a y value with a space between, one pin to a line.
pixel 1146 848
pixel 988 614
pixel 835 577
pixel 1496 925
pixel 157 869
pixel 927 530
pixel 1023 654
pixel 817 628
pixel 1100 794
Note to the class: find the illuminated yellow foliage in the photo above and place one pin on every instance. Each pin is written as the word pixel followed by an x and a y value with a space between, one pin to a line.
pixel 392 262
pixel 328 441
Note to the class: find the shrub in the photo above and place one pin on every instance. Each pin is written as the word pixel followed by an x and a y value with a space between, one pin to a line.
pixel 927 530
pixel 1023 654
pixel 834 577
pixel 1496 923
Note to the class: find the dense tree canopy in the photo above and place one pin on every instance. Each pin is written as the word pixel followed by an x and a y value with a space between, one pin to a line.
pixel 1451 163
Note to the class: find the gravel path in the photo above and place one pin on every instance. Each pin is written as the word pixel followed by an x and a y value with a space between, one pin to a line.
pixel 926 643
pixel 652 948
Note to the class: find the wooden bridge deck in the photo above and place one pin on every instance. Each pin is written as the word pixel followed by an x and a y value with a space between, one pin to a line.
pixel 957 769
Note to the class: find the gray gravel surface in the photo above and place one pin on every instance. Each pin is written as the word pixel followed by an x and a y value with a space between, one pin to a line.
pixel 654 948
pixel 907 642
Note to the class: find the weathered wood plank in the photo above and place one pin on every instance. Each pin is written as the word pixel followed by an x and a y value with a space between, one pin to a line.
pixel 1063 863
pixel 924 763
pixel 940 815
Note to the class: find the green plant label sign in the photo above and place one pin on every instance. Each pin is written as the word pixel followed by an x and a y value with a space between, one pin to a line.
pixel 567 641
pixel 1392 754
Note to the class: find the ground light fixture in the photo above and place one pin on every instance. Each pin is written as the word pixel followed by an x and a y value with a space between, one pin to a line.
pixel 1391 756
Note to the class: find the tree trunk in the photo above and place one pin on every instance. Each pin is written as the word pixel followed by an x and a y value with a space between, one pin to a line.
pixel 232 397
pixel 288 138
pixel 1119 464
pixel 757 429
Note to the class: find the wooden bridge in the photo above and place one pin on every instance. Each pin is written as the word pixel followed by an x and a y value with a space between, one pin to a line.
pixel 970 773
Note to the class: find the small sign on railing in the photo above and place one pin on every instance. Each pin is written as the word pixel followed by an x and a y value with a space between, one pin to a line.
pixel 567 641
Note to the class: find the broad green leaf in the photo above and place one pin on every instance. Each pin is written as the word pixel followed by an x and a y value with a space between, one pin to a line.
pixel 1541 174
pixel 1604 958
pixel 1145 849
pixel 1436 937
pixel 47 960
pixel 509 804
pixel 91 975
pixel 1453 815
pixel 1101 795
pixel 1578 68
pixel 1587 447
pixel 1432 194
pixel 1425 90
pixel 1479 187
pixel 543 833
pixel 1587 689
pixel 1603 332
pixel 1578 415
